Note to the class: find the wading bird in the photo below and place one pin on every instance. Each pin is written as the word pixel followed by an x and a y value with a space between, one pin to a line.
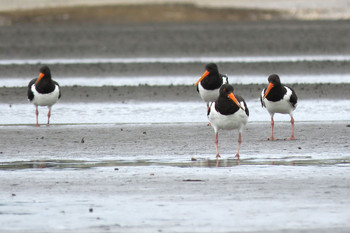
pixel 228 112
pixel 43 91
pixel 278 98
pixel 209 84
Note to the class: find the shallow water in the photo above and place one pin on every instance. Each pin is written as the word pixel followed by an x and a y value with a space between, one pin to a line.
pixel 175 80
pixel 180 79
pixel 174 162
pixel 163 112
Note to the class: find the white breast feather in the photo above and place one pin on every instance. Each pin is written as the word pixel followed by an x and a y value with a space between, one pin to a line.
pixel 227 122
pixel 45 99
pixel 208 95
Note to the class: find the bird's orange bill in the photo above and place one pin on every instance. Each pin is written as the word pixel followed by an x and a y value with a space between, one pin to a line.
pixel 268 89
pixel 233 97
pixel 206 73
pixel 41 75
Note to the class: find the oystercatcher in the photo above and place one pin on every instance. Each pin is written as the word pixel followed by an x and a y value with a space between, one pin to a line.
pixel 278 98
pixel 43 91
pixel 209 84
pixel 228 112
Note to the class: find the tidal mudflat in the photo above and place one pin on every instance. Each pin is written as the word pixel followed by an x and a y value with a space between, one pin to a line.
pixel 133 153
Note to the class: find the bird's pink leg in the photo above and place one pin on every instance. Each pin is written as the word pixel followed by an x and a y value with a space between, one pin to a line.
pixel 217 149
pixel 292 122
pixel 216 145
pixel 272 124
pixel 239 144
pixel 48 117
pixel 37 116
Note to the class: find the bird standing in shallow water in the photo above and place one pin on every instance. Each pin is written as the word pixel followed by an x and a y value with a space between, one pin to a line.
pixel 228 112
pixel 277 98
pixel 209 84
pixel 43 91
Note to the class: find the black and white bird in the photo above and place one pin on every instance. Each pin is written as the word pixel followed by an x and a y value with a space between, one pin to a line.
pixel 228 112
pixel 209 84
pixel 278 98
pixel 43 91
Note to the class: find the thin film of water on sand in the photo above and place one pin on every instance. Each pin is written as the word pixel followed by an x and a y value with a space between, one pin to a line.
pixel 175 80
pixel 173 162
pixel 163 112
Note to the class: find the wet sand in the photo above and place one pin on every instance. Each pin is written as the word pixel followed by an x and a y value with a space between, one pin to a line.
pixel 184 140
pixel 170 199
pixel 228 38
pixel 162 177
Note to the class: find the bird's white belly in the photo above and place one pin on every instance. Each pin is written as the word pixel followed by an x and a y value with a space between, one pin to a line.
pixel 228 122
pixel 208 95
pixel 45 99
pixel 282 106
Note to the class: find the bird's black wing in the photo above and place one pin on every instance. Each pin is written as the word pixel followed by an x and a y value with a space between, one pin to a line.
pixel 30 94
pixel 246 108
pixel 240 99
pixel 208 112
pixel 261 98
pixel 293 98
pixel 59 88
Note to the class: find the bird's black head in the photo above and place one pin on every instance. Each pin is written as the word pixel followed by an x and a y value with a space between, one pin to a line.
pixel 45 70
pixel 44 75
pixel 226 89
pixel 274 79
pixel 226 93
pixel 211 67
pixel 274 84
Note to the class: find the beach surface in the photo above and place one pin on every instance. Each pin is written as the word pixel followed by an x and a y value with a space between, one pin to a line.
pixel 129 148
pixel 163 177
